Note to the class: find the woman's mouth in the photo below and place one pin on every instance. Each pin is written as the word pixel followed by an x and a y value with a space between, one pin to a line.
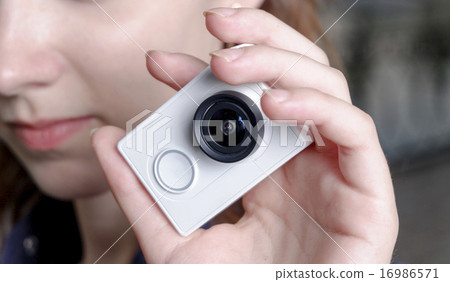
pixel 48 134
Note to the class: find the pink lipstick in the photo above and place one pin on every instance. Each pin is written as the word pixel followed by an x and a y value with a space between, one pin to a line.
pixel 48 134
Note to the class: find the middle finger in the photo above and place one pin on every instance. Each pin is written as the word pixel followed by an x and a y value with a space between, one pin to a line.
pixel 272 65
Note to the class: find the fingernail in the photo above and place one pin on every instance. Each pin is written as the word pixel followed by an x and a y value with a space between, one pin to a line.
pixel 228 55
pixel 149 53
pixel 223 12
pixel 158 51
pixel 278 95
pixel 93 130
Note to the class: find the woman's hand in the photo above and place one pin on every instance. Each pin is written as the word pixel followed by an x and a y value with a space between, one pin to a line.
pixel 331 204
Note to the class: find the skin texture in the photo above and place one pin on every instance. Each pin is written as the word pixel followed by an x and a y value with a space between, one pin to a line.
pixel 345 187
pixel 76 63
pixel 73 64
pixel 64 59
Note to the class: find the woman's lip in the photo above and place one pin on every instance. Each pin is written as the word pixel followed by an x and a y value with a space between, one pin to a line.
pixel 46 135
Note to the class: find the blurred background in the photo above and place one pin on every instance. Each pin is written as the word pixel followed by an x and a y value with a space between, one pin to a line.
pixel 395 55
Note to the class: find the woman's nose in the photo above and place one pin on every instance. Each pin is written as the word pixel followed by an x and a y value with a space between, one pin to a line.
pixel 28 58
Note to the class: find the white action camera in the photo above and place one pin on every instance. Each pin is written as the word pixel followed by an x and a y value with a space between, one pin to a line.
pixel 206 147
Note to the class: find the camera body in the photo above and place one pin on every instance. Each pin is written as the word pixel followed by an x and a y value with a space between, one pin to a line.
pixel 206 147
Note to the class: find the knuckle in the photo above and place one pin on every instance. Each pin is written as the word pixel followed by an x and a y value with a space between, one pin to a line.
pixel 339 75
pixel 322 56
pixel 368 124
pixel 341 80
pixel 364 131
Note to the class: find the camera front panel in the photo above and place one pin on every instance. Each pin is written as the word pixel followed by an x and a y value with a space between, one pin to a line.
pixel 206 147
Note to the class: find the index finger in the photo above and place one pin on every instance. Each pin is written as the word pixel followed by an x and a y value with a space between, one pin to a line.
pixel 245 25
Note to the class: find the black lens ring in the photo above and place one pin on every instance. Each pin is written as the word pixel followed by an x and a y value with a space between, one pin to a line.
pixel 225 105
pixel 244 106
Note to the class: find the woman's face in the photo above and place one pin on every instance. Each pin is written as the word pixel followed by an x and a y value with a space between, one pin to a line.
pixel 66 68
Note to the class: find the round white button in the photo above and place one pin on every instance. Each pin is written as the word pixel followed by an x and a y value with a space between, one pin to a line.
pixel 174 170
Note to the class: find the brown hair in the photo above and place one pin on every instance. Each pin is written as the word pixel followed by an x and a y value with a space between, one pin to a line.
pixel 16 190
pixel 301 15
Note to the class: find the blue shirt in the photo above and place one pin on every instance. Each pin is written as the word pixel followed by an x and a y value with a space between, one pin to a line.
pixel 48 234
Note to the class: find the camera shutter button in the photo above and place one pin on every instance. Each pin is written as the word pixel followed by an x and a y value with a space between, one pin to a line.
pixel 174 170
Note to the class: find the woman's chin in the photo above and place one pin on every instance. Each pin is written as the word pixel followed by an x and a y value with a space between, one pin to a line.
pixel 69 193
pixel 69 180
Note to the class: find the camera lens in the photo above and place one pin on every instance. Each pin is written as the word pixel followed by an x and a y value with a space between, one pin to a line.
pixel 232 127
pixel 226 126
pixel 229 127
